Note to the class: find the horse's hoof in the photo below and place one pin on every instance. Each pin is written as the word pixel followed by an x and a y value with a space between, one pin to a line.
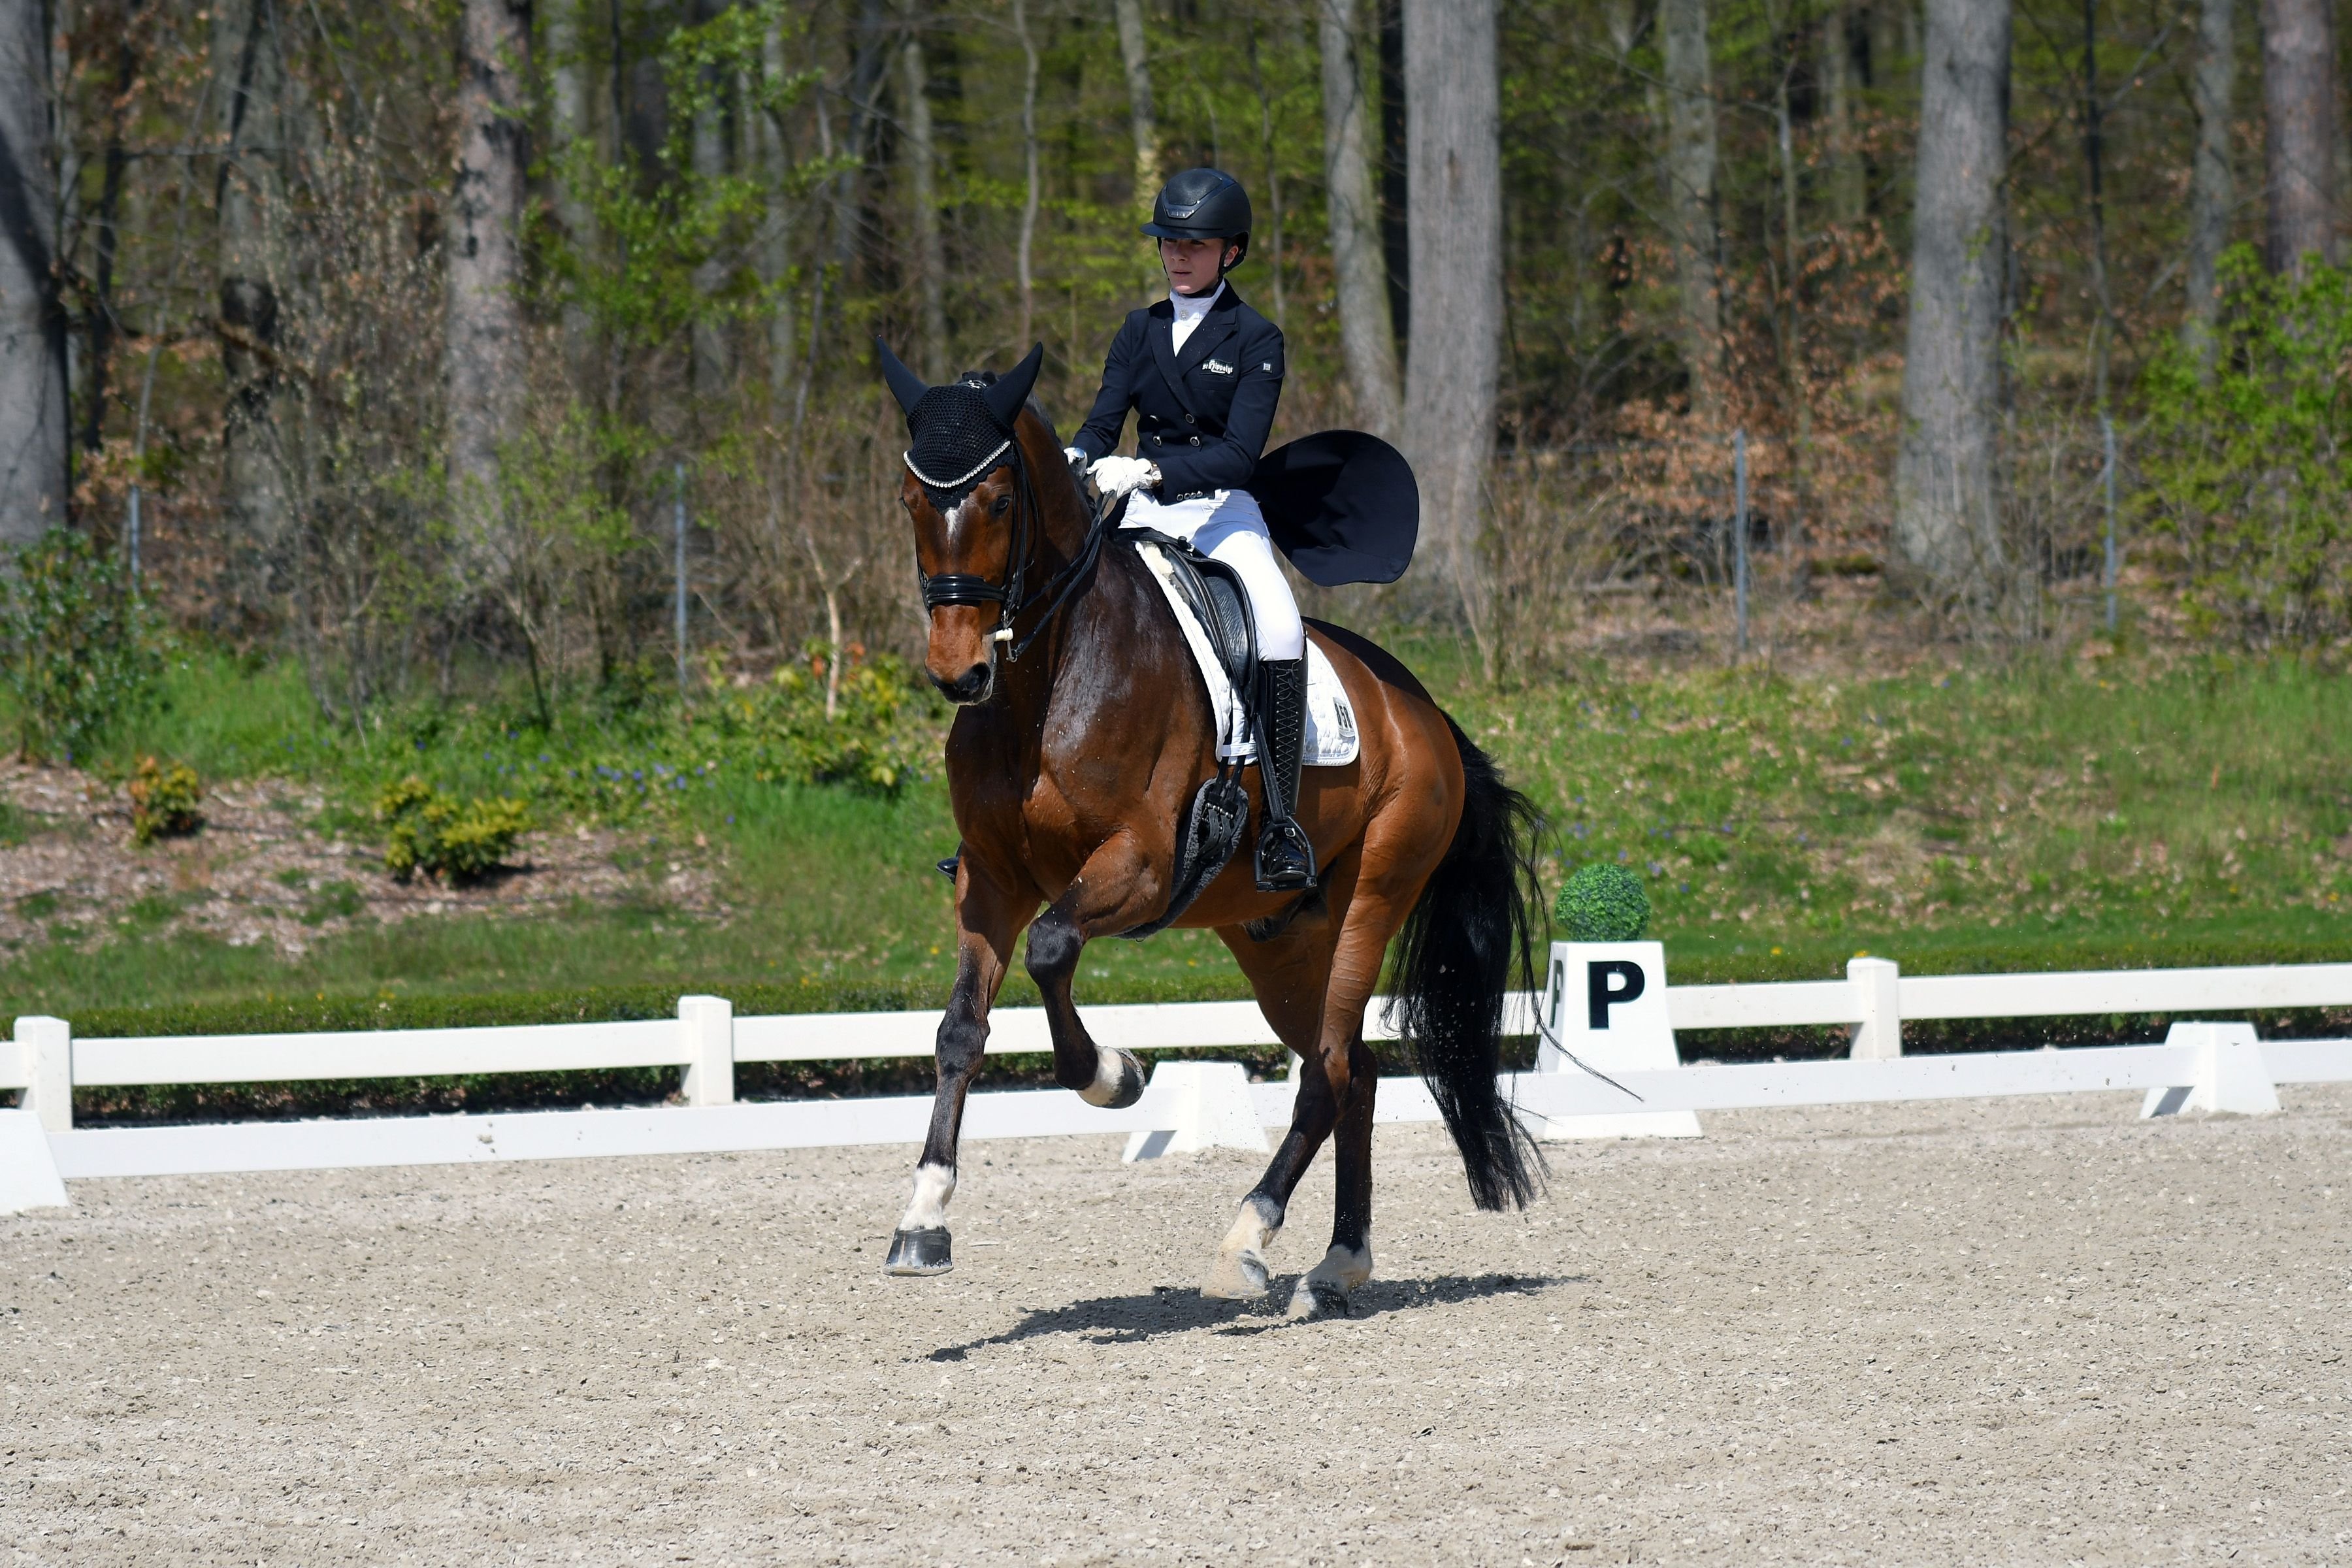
pixel 920 1251
pixel 1318 1298
pixel 1323 1290
pixel 1119 1079
pixel 1235 1276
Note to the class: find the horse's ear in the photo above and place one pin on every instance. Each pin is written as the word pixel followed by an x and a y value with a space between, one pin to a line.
pixel 1006 395
pixel 904 384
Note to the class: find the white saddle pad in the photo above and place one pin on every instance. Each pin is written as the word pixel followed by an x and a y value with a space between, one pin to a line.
pixel 1330 738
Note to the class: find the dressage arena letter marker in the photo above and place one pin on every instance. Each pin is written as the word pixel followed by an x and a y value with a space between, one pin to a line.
pixel 2230 1075
pixel 1604 1002
pixel 1210 1106
pixel 29 1171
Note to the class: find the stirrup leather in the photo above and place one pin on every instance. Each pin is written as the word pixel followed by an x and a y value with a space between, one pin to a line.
pixel 1284 857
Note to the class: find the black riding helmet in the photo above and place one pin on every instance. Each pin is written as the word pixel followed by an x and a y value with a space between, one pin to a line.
pixel 1202 204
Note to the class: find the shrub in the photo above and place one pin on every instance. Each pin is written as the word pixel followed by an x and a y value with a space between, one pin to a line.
pixel 447 838
pixel 1604 902
pixel 163 801
pixel 872 739
pixel 75 649
pixel 2244 475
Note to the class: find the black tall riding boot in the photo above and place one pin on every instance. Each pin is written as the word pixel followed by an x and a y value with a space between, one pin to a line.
pixel 1285 860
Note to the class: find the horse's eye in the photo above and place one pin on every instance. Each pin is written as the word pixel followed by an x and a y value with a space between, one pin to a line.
pixel 1003 504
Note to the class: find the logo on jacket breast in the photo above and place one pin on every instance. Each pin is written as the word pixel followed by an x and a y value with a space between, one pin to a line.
pixel 1216 367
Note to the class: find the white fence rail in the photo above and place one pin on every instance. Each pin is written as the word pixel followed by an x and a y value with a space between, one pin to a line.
pixel 2202 1066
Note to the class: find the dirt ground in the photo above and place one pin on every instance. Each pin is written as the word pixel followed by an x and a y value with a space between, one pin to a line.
pixel 257 872
pixel 2029 1331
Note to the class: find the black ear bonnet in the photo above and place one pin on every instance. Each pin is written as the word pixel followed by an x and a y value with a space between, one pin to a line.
pixel 963 430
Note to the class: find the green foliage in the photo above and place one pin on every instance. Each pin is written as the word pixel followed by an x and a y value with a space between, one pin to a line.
pixel 648 282
pixel 459 841
pixel 785 734
pixel 2247 475
pixel 1604 902
pixel 163 800
pixel 77 650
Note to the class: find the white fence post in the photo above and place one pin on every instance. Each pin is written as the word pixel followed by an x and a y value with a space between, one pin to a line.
pixel 706 1025
pixel 47 1046
pixel 2230 1073
pixel 1878 992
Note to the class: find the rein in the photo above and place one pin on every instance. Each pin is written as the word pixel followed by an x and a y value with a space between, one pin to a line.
pixel 945 588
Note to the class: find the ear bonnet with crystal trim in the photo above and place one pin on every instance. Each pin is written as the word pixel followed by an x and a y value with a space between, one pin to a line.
pixel 962 430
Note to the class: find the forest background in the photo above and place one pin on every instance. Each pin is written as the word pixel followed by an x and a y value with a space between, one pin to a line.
pixel 485 390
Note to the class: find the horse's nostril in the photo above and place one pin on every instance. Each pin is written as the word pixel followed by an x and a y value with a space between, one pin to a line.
pixel 968 687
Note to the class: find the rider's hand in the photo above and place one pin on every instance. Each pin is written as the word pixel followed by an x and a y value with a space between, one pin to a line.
pixel 1077 457
pixel 1117 476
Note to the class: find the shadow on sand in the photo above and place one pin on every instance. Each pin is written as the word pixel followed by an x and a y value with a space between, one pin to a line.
pixel 1176 1309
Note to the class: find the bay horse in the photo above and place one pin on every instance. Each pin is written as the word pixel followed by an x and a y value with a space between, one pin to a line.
pixel 1082 732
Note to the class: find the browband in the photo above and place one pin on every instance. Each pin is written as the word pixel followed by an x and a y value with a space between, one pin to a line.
pixel 958 483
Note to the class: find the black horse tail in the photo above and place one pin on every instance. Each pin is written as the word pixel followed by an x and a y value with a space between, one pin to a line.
pixel 1455 959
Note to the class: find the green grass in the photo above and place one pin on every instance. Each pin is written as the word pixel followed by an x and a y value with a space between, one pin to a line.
pixel 2035 815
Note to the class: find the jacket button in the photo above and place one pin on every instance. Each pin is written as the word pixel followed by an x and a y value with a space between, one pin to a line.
pixel 1196 440
pixel 1190 420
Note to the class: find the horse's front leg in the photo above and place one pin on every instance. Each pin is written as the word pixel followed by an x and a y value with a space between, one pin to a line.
pixel 988 918
pixel 1116 890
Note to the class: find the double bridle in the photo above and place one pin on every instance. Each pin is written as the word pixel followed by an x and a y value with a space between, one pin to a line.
pixel 941 589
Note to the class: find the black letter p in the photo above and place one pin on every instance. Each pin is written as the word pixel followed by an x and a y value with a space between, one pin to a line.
pixel 1599 994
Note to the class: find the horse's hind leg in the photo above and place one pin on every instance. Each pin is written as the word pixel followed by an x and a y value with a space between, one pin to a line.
pixel 987 920
pixel 1325 1287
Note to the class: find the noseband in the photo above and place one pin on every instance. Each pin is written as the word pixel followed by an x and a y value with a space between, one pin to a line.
pixel 942 589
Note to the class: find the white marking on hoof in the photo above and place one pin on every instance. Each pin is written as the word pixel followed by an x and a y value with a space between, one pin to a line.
pixel 1323 1290
pixel 1239 1273
pixel 1119 1079
pixel 934 1184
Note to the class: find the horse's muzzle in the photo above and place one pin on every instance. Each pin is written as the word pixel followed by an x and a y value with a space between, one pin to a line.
pixel 974 685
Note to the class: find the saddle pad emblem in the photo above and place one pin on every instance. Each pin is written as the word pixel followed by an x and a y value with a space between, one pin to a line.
pixel 1216 367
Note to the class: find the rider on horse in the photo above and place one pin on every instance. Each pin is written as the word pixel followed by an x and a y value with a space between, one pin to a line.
pixel 1204 372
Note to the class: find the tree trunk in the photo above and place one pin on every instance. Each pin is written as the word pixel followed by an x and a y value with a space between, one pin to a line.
pixel 1030 196
pixel 1274 213
pixel 2299 105
pixel 1690 196
pixel 1947 517
pixel 2095 184
pixel 1849 193
pixel 33 445
pixel 574 138
pixel 484 335
pixel 775 249
pixel 1454 169
pixel 1129 14
pixel 713 354
pixel 2211 185
pixel 1360 274
pixel 930 261
pixel 248 103
pixel 108 229
pixel 1394 199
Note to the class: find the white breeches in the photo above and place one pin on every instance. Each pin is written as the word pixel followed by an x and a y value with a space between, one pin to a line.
pixel 1228 528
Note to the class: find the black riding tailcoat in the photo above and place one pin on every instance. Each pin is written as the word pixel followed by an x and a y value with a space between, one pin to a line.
pixel 1202 415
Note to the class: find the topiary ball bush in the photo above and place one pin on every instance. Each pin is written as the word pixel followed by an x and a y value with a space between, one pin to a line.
pixel 1602 902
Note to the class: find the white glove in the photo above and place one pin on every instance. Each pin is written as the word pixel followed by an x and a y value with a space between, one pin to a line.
pixel 1077 457
pixel 1117 476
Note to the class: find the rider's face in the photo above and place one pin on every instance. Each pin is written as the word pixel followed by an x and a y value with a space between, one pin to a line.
pixel 1192 264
